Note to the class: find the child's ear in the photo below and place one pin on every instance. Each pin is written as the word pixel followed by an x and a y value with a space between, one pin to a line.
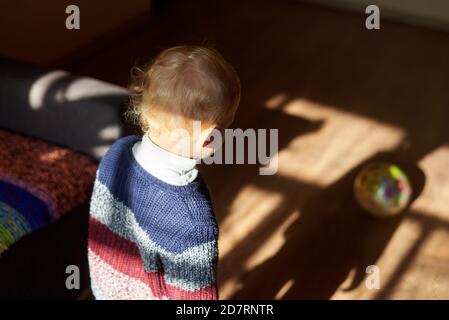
pixel 206 135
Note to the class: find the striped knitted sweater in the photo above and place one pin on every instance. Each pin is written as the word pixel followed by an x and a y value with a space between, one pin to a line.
pixel 149 239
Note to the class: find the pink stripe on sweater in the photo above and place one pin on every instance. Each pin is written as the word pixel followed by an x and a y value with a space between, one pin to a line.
pixel 124 256
pixel 110 284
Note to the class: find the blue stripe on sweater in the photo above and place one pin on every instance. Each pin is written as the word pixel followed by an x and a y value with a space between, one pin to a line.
pixel 192 269
pixel 168 214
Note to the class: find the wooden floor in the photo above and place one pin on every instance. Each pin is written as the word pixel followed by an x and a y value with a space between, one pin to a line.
pixel 340 95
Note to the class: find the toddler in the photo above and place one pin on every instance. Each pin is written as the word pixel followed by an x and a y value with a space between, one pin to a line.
pixel 152 230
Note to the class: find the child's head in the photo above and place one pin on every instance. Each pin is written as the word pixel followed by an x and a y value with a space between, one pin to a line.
pixel 185 84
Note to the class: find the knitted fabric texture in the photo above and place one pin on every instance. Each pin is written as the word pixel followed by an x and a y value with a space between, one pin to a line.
pixel 149 239
pixel 39 182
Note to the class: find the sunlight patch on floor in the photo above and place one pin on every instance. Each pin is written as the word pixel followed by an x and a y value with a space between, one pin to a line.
pixel 271 245
pixel 397 250
pixel 342 143
pixel 434 198
pixel 318 159
pixel 246 213
pixel 284 289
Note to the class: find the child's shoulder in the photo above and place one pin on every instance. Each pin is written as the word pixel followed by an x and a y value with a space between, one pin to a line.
pixel 199 204
pixel 122 144
pixel 118 156
pixel 120 148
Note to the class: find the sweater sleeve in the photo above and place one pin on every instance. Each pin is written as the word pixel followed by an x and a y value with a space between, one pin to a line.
pixel 191 275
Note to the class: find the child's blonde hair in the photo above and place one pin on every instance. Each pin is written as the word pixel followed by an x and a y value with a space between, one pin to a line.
pixel 184 83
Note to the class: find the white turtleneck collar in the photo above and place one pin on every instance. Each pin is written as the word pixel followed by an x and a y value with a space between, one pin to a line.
pixel 164 165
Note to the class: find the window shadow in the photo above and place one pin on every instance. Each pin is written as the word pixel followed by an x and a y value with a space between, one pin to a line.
pixel 331 237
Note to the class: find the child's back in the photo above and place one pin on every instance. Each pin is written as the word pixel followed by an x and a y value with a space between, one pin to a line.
pixel 149 239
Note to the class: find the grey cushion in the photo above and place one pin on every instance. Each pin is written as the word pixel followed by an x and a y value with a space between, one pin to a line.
pixel 78 112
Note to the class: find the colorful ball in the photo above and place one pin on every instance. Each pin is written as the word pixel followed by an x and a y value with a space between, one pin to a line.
pixel 382 189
